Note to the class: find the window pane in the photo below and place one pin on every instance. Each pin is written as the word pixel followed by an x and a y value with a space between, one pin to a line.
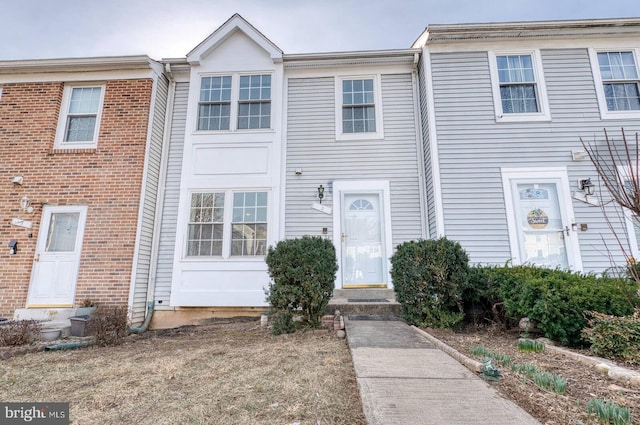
pixel 61 236
pixel 85 100
pixel 248 236
pixel 622 96
pixel 80 129
pixel 519 99
pixel 515 68
pixel 205 239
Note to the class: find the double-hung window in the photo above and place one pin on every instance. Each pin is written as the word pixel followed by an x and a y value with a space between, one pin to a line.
pixel 234 102
pixel 619 88
pixel 518 86
pixel 358 109
pixel 206 222
pixel 79 120
pixel 254 102
pixel 214 109
pixel 227 224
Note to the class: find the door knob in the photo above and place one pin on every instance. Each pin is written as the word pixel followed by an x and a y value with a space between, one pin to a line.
pixel 342 236
pixel 37 258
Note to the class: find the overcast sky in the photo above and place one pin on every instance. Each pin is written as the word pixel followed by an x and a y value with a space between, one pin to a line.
pixel 37 29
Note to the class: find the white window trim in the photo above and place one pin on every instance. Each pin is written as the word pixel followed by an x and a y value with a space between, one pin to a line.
pixel 227 225
pixel 377 95
pixel 623 172
pixel 541 88
pixel 235 103
pixel 605 114
pixel 64 111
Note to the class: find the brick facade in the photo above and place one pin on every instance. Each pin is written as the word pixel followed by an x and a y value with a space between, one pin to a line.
pixel 108 179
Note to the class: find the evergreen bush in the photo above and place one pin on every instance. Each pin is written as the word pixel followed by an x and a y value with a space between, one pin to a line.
pixel 303 271
pixel 555 299
pixel 429 277
pixel 612 336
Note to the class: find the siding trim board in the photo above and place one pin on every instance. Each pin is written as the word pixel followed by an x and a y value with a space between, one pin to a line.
pixel 433 145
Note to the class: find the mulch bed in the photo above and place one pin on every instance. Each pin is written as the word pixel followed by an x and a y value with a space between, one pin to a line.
pixel 584 382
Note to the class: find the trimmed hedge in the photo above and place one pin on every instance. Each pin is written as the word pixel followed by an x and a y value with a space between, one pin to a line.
pixel 303 272
pixel 555 299
pixel 428 278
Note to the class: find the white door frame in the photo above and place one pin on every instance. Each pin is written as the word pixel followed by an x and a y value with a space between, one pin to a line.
pixel 542 175
pixel 363 186
pixel 47 211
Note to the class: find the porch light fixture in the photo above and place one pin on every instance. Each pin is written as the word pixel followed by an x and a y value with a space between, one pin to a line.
pixel 25 204
pixel 320 193
pixel 586 186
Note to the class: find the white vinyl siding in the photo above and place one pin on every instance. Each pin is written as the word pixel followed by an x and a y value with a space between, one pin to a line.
pixel 473 148
pixel 311 145
pixel 168 224
pixel 141 280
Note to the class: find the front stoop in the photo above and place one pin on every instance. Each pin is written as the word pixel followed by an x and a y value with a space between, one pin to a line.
pixel 50 318
pixel 370 302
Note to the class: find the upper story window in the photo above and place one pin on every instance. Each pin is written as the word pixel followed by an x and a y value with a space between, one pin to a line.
pixel 358 109
pixel 358 106
pixel 254 102
pixel 234 102
pixel 619 88
pixel 80 114
pixel 214 108
pixel 518 87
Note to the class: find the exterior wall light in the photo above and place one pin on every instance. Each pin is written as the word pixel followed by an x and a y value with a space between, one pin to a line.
pixel 25 204
pixel 320 193
pixel 587 186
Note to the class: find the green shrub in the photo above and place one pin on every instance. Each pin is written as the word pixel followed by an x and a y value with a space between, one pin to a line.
pixel 482 295
pixel 429 277
pixel 554 299
pixel 111 324
pixel 612 336
pixel 19 332
pixel 557 302
pixel 303 272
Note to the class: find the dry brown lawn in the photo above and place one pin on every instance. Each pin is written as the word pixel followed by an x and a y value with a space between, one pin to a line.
pixel 224 373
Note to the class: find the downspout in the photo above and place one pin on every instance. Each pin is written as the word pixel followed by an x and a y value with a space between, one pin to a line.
pixel 159 204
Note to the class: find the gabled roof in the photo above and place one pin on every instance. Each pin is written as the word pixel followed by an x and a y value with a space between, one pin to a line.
pixel 534 29
pixel 235 23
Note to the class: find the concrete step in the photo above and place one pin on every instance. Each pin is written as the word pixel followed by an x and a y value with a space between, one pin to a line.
pixel 366 301
pixel 52 318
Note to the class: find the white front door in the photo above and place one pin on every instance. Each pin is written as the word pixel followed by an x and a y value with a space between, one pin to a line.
pixel 57 258
pixel 542 229
pixel 362 234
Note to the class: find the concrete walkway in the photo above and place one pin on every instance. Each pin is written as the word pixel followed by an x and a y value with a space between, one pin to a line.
pixel 404 379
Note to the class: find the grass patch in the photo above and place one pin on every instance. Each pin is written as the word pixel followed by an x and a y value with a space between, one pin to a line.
pixel 233 373
pixel 609 412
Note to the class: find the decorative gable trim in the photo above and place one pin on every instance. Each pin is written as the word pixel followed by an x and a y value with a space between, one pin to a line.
pixel 226 30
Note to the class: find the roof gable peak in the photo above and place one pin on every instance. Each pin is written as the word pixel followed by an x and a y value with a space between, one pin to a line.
pixel 233 24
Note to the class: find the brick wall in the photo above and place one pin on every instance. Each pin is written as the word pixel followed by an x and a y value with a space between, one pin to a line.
pixel 108 179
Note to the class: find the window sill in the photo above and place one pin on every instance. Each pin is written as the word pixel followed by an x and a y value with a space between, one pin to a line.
pixel 523 118
pixel 236 131
pixel 58 151
pixel 620 115
pixel 359 136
